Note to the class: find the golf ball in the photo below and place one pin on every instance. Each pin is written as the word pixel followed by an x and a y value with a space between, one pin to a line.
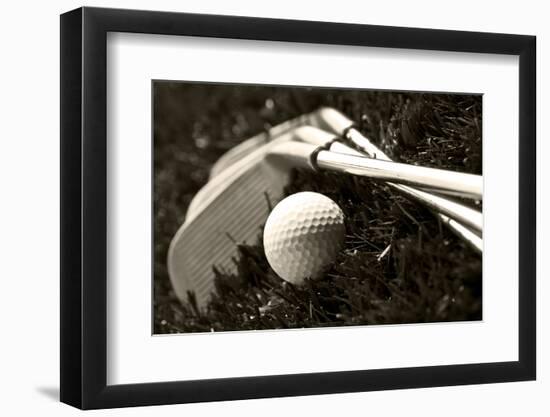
pixel 302 236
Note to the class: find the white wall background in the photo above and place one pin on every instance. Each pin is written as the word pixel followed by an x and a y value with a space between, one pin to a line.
pixel 29 237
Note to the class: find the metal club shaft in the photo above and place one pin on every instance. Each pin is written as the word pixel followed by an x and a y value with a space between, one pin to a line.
pixel 334 121
pixel 443 181
pixel 442 207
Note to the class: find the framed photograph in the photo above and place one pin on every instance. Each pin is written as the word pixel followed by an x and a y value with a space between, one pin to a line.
pixel 258 208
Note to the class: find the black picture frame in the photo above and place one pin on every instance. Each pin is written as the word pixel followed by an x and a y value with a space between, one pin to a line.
pixel 84 207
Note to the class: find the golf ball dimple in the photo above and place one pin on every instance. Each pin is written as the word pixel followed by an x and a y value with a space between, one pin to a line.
pixel 302 236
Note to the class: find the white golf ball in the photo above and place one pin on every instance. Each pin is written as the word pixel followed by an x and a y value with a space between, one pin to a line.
pixel 302 235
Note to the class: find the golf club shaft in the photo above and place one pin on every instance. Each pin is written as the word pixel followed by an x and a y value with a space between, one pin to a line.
pixel 443 181
pixel 308 155
pixel 335 122
pixel 438 204
pixel 463 232
pixel 471 217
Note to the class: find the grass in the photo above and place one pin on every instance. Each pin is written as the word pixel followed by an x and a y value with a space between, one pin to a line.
pixel 426 274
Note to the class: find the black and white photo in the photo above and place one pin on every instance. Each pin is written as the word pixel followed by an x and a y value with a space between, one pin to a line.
pixel 296 207
pixel 258 208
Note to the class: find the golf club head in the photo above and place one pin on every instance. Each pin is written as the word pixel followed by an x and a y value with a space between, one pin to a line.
pixel 246 147
pixel 241 151
pixel 301 133
pixel 231 210
pixel 325 118
pixel 331 120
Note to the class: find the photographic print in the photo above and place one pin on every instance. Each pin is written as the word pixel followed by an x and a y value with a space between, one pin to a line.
pixel 280 207
pixel 297 204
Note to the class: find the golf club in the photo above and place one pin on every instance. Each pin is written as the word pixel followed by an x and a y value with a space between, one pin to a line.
pixel 433 179
pixel 436 203
pixel 451 212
